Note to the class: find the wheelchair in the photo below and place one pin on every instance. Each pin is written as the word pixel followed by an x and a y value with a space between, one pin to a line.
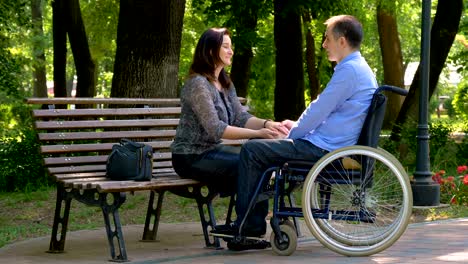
pixel 356 201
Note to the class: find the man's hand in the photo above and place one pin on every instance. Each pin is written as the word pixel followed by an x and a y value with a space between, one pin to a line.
pixel 288 124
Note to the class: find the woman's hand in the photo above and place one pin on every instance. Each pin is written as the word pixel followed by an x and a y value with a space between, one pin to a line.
pixel 267 133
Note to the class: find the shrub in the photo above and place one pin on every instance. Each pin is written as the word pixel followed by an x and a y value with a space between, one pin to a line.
pixel 21 163
pixel 20 160
pixel 460 100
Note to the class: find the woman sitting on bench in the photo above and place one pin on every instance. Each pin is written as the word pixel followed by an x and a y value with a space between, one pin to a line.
pixel 211 111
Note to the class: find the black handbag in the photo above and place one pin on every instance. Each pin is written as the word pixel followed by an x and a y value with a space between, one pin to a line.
pixel 130 161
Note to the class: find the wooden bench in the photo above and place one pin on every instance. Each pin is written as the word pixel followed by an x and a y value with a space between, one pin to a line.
pixel 77 135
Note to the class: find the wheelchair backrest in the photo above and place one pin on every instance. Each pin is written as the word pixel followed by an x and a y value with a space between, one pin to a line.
pixel 370 131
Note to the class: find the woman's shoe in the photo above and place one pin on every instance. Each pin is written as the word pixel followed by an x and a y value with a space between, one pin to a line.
pixel 248 244
pixel 233 230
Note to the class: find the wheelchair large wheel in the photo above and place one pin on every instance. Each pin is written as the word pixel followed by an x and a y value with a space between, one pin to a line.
pixel 358 211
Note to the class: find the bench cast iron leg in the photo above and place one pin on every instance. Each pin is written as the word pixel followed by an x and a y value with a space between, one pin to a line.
pixel 150 234
pixel 88 197
pixel 63 199
pixel 94 198
pixel 115 232
pixel 203 202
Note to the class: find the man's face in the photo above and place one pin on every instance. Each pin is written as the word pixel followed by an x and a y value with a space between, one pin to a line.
pixel 333 46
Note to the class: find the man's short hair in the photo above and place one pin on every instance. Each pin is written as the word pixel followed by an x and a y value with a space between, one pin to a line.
pixel 348 27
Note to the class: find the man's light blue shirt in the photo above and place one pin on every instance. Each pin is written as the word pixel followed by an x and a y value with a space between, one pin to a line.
pixel 334 120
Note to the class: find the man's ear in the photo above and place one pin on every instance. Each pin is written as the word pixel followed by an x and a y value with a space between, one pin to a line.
pixel 343 42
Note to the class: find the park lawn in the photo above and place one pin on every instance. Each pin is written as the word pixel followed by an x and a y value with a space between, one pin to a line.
pixel 29 215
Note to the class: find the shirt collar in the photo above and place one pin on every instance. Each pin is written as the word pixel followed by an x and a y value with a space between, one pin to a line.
pixel 353 55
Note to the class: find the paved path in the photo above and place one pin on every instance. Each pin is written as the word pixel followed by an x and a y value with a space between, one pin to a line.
pixel 434 242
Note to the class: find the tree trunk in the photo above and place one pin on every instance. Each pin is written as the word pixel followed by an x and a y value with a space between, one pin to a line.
pixel 391 57
pixel 314 84
pixel 39 72
pixel 60 47
pixel 289 89
pixel 443 32
pixel 148 45
pixel 85 68
pixel 245 23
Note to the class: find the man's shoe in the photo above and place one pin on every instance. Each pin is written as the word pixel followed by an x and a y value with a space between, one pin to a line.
pixel 248 244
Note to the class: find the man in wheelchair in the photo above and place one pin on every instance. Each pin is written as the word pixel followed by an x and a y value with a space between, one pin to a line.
pixel 334 120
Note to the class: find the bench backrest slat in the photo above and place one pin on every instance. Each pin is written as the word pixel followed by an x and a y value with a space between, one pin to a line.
pixel 107 135
pixel 148 111
pixel 51 125
pixel 94 159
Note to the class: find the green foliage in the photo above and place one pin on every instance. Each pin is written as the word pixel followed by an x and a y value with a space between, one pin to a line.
pixel 10 70
pixel 460 100
pixel 262 85
pixel 442 146
pixel 101 19
pixel 20 159
pixel 21 163
pixel 462 146
pixel 444 151
pixel 194 26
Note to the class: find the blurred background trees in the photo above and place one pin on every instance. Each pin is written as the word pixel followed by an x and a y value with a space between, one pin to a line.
pixel 134 48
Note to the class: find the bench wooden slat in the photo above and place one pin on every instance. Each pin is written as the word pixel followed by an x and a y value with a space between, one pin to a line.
pixel 157 156
pixel 79 183
pixel 92 112
pixel 163 172
pixel 105 101
pixel 72 148
pixel 50 125
pixel 106 135
pixel 96 168
pixel 157 183
pixel 61 177
pixel 57 149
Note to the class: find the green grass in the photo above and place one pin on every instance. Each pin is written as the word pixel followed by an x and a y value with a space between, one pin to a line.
pixel 29 215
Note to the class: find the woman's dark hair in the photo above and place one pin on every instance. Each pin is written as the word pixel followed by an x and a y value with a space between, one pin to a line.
pixel 206 56
pixel 348 27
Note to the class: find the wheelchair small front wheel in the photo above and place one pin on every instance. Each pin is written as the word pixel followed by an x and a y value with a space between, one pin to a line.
pixel 289 243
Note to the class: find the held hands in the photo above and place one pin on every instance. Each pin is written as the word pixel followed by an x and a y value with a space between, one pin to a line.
pixel 280 129
pixel 267 133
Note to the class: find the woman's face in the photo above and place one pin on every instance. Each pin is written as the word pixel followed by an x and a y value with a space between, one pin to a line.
pixel 225 52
